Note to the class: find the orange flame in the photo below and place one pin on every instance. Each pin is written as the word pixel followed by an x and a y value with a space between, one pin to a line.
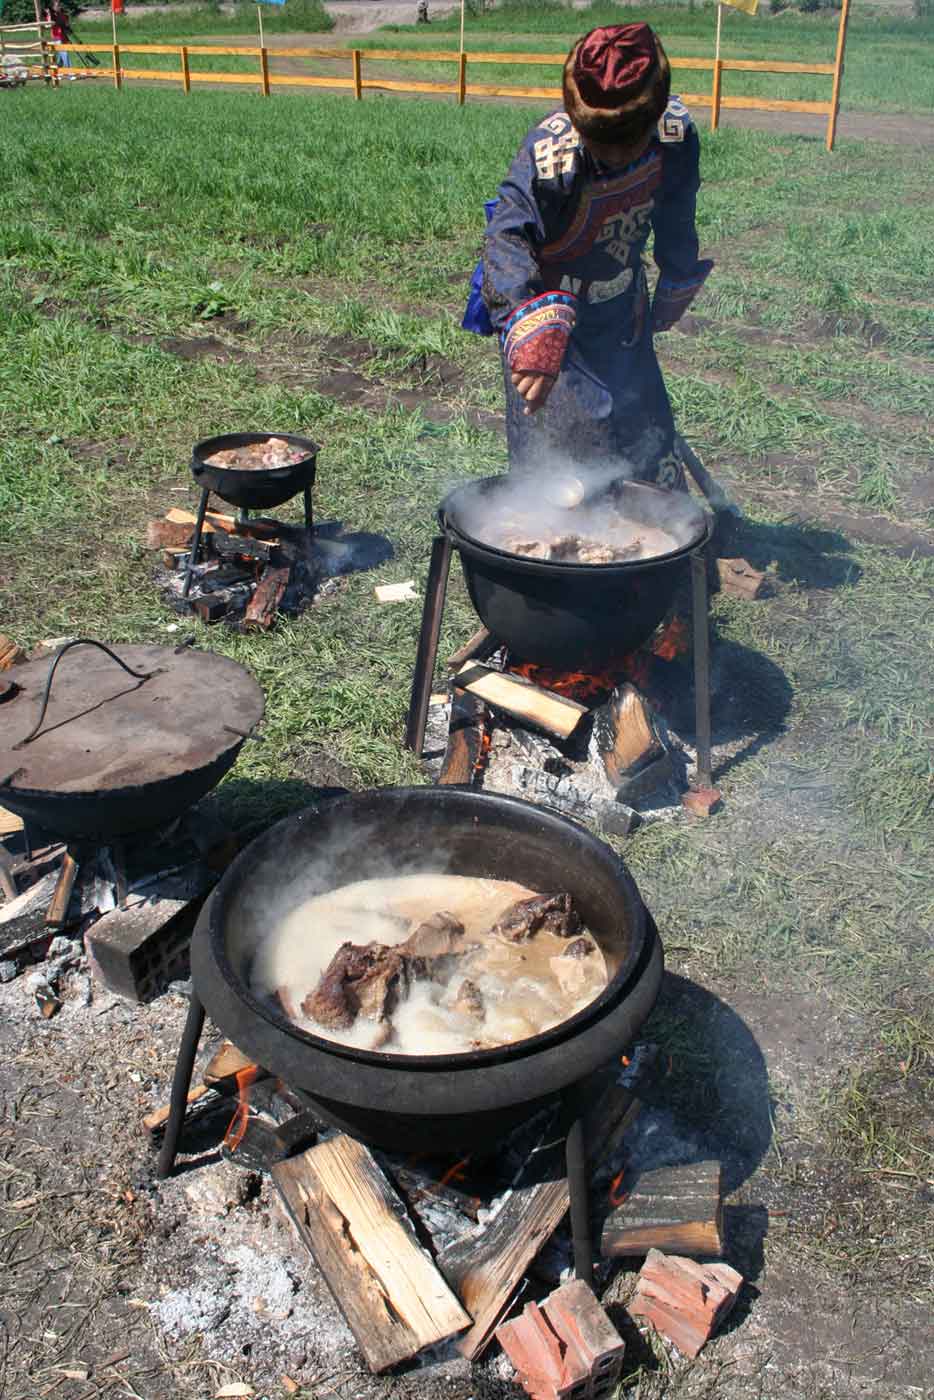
pixel 234 1135
pixel 617 1197
pixel 456 1173
pixel 674 641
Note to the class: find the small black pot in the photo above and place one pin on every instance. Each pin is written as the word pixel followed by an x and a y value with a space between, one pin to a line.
pixel 254 490
pixel 572 616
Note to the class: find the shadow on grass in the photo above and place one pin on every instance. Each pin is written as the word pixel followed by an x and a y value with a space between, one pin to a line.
pixel 808 555
pixel 250 805
pixel 708 1100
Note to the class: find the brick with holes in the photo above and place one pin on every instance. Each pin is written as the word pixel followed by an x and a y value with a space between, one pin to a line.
pixel 567 1349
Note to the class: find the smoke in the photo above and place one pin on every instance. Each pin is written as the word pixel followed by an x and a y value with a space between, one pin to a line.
pixel 599 503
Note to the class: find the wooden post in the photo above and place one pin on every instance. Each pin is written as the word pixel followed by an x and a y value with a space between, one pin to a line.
pixel 118 74
pixel 186 71
pixel 264 70
pixel 715 95
pixel 837 75
pixel 461 78
pixel 357 75
pixel 717 76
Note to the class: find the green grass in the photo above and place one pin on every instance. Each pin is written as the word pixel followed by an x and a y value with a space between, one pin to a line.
pixel 877 47
pixel 294 231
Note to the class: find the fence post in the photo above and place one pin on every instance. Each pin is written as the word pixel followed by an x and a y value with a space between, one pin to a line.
pixel 186 71
pixel 461 78
pixel 715 94
pixel 118 72
pixel 837 75
pixel 357 75
pixel 264 70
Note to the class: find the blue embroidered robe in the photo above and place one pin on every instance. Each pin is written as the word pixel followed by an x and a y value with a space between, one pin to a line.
pixel 563 283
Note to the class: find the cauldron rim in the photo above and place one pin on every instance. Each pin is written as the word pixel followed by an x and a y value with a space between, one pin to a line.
pixel 608 1018
pixel 464 541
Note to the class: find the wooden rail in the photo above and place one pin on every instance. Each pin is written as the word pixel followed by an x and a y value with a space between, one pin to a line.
pixel 458 86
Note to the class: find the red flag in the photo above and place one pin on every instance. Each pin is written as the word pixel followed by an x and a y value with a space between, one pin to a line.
pixel 116 6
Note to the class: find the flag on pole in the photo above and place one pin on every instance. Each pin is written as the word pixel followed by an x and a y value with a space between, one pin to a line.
pixel 748 7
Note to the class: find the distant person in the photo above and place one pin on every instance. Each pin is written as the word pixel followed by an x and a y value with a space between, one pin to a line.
pixel 422 12
pixel 563 281
pixel 60 33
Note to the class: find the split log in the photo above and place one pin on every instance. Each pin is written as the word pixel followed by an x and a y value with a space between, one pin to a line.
pixel 394 1299
pixel 57 914
pixel 263 606
pixel 169 534
pixel 625 734
pixel 486 1267
pixel 10 653
pixel 522 699
pixel 684 1300
pixel 9 823
pixel 481 645
pixel 677 1208
pixel 257 528
pixel 225 1064
pixel 155 1121
pixel 465 739
pixel 738 579
pixel 268 551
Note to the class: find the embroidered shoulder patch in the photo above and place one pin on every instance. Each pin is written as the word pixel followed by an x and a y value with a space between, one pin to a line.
pixel 554 154
pixel 674 122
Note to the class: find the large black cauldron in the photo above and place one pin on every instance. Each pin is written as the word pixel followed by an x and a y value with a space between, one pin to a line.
pixel 569 615
pixel 439 1102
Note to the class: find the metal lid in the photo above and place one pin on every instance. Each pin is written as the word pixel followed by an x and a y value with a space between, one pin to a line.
pixel 105 729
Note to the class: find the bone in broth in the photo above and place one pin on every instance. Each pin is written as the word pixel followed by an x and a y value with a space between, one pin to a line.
pixel 430 964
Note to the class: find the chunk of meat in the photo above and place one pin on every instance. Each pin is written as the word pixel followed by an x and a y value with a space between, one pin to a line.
pixel 437 937
pixel 580 948
pixel 531 549
pixel 554 913
pixel 469 1000
pixel 360 980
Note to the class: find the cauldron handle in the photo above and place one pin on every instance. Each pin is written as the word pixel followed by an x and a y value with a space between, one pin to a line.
pixel 47 693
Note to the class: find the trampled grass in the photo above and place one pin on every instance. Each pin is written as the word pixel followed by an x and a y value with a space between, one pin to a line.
pixel 279 228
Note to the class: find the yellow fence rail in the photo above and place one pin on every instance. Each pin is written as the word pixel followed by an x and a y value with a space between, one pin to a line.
pixel 459 87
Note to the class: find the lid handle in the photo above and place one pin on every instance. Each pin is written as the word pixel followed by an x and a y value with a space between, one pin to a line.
pixel 47 693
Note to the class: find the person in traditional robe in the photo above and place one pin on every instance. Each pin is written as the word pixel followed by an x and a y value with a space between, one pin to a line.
pixel 563 281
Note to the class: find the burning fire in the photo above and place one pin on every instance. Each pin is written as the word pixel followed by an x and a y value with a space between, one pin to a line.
pixel 673 641
pixel 234 1135
pixel 618 1196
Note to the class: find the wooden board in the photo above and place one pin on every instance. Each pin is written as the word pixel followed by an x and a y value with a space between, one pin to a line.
pixel 9 822
pixel 485 1268
pixel 522 699
pixel 392 1295
pixel 674 1208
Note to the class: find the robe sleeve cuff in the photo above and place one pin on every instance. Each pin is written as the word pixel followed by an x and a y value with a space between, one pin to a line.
pixel 536 335
pixel 672 298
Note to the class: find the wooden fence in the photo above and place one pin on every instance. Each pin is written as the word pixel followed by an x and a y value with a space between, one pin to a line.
pixel 32 53
pixel 458 86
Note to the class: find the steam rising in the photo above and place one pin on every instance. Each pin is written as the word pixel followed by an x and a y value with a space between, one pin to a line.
pixel 599 504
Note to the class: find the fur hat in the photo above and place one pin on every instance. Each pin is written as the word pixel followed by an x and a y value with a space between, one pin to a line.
pixel 616 83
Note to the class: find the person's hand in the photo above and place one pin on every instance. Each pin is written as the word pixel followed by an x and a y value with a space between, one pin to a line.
pixel 534 388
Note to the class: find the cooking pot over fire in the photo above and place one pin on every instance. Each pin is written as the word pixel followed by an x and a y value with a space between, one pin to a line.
pixel 563 612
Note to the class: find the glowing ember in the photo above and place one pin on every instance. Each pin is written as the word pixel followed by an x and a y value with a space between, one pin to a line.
pixel 234 1135
pixel 617 1195
pixel 674 641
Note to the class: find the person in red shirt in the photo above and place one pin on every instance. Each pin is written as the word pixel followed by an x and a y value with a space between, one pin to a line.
pixel 58 19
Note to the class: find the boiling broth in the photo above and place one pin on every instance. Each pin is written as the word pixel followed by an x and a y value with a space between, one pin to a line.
pixel 525 988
